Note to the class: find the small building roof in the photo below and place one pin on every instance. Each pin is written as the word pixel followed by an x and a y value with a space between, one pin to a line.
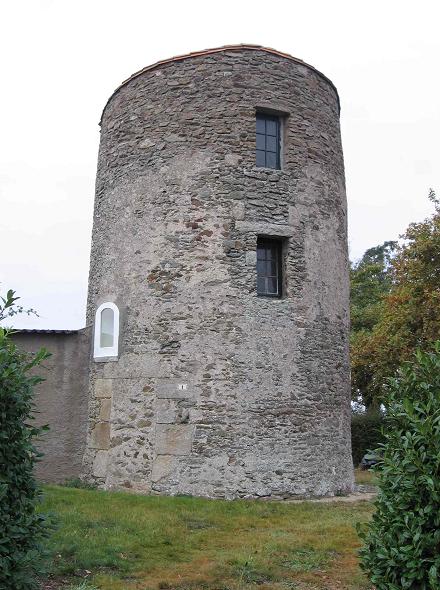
pixel 41 331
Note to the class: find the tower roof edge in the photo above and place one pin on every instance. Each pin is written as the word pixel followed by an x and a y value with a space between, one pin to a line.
pixel 238 47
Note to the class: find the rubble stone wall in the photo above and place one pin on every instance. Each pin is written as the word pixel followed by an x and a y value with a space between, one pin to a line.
pixel 218 392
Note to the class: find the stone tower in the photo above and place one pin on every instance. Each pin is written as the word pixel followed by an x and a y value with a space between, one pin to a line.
pixel 215 373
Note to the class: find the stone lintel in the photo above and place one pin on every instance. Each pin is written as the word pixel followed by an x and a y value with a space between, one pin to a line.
pixel 265 229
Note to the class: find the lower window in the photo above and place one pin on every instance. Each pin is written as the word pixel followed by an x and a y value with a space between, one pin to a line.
pixel 269 267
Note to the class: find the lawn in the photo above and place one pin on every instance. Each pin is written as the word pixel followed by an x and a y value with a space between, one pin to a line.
pixel 121 541
pixel 366 477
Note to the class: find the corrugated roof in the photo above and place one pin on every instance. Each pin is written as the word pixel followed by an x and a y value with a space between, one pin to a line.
pixel 40 331
pixel 217 50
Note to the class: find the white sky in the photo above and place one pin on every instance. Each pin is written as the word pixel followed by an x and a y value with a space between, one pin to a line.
pixel 61 60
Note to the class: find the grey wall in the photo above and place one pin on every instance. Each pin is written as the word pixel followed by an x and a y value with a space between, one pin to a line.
pixel 178 208
pixel 61 400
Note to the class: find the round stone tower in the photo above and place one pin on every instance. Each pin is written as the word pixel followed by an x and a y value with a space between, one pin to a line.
pixel 219 281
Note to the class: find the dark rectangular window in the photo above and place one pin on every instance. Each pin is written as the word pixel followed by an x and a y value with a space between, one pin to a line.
pixel 269 267
pixel 268 141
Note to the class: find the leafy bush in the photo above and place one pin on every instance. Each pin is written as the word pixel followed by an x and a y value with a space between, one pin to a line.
pixel 366 434
pixel 21 527
pixel 402 542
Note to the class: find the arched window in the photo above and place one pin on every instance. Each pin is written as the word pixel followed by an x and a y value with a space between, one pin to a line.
pixel 106 331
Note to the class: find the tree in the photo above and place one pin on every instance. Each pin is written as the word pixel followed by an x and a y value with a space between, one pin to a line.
pixel 22 528
pixel 370 282
pixel 407 317
pixel 402 541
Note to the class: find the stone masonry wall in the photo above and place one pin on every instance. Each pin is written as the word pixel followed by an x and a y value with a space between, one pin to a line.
pixel 218 392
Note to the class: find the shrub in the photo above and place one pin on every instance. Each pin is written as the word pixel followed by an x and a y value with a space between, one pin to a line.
pixel 21 527
pixel 402 542
pixel 366 434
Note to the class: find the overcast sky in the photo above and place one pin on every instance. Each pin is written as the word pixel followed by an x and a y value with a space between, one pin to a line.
pixel 61 60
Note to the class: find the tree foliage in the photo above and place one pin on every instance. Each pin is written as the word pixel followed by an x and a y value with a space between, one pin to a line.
pixel 399 306
pixel 370 282
pixel 366 433
pixel 402 542
pixel 9 306
pixel 22 528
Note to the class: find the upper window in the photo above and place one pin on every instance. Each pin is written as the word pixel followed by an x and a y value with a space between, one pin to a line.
pixel 268 141
pixel 106 331
pixel 269 267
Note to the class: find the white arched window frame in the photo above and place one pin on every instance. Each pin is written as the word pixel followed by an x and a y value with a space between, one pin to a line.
pixel 106 340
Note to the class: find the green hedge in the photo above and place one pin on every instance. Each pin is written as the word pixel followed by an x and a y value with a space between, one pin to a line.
pixel 22 526
pixel 402 540
pixel 366 434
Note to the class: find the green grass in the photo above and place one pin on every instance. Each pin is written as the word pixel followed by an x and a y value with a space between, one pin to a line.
pixel 366 477
pixel 84 585
pixel 131 542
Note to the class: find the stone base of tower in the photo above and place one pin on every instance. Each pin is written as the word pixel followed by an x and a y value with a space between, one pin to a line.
pixel 149 436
